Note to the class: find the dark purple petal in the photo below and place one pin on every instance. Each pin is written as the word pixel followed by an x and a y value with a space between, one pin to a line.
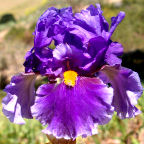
pixel 115 50
pixel 32 62
pixel 127 90
pixel 82 33
pixel 95 45
pixel 73 39
pixel 44 54
pixel 115 21
pixel 20 97
pixel 73 111
pixel 96 48
pixel 42 61
pixel 95 64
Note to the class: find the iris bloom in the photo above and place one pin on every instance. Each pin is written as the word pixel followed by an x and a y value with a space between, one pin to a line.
pixel 86 80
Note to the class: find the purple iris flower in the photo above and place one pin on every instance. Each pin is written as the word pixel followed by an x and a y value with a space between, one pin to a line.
pixel 86 80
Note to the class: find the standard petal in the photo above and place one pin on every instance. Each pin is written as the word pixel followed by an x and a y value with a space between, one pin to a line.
pixel 93 20
pixel 89 23
pixel 127 90
pixel 73 111
pixel 20 97
pixel 52 23
pixel 115 50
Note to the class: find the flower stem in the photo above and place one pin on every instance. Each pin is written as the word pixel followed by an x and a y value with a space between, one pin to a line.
pixel 53 140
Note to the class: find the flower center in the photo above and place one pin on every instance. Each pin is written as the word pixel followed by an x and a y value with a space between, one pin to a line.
pixel 70 78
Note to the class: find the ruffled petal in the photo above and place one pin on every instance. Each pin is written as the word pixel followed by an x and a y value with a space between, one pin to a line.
pixel 20 97
pixel 127 89
pixel 89 23
pixel 50 24
pixel 115 50
pixel 93 19
pixel 73 111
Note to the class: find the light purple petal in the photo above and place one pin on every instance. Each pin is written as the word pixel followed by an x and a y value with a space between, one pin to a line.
pixel 115 50
pixel 20 97
pixel 127 89
pixel 73 111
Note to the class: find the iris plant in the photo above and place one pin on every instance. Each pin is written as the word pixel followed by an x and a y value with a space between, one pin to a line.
pixel 86 82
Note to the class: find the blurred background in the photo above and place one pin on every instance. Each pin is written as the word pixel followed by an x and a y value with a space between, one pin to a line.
pixel 17 22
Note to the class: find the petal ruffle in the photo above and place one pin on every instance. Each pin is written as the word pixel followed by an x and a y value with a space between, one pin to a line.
pixel 93 20
pixel 127 89
pixel 73 111
pixel 115 50
pixel 20 97
pixel 51 23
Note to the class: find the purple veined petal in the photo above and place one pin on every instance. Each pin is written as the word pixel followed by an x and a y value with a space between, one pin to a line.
pixel 115 21
pixel 62 51
pixel 73 111
pixel 127 89
pixel 20 97
pixel 75 57
pixel 58 39
pixel 115 50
